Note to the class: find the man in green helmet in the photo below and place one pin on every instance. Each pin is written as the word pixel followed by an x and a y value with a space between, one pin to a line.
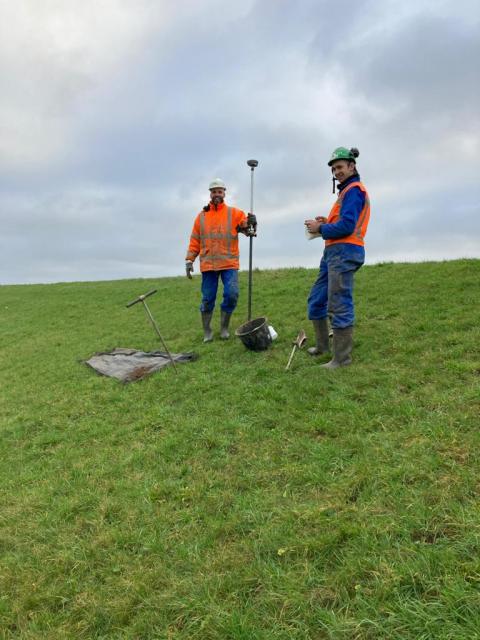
pixel 344 232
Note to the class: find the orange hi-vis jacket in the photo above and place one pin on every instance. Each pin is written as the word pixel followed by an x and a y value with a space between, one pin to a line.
pixel 358 235
pixel 215 238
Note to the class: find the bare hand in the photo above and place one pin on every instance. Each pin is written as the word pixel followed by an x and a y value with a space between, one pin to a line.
pixel 312 226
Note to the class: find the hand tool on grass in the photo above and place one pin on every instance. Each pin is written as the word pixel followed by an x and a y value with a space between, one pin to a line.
pixel 155 326
pixel 297 344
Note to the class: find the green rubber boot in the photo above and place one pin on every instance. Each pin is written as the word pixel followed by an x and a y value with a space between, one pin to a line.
pixel 342 348
pixel 321 338
pixel 224 322
pixel 207 331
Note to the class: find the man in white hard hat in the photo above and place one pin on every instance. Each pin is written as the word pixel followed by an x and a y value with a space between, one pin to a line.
pixel 215 238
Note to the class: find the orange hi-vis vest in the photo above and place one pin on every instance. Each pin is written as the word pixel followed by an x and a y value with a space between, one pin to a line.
pixel 360 230
pixel 215 238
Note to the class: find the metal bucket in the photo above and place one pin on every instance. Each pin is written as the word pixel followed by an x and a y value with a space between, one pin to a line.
pixel 255 334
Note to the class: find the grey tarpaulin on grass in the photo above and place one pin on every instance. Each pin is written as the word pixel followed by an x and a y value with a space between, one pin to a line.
pixel 128 365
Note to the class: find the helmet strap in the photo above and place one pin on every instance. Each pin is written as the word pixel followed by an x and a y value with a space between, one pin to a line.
pixel 333 184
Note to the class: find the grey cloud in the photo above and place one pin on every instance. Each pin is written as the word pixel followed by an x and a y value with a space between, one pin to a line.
pixel 431 64
pixel 281 82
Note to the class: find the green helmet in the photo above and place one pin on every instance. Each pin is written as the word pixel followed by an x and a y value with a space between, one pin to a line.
pixel 342 153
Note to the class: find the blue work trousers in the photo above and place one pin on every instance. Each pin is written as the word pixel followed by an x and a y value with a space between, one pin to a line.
pixel 209 290
pixel 332 293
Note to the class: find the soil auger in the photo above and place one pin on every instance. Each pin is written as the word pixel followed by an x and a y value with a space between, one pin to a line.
pixel 298 343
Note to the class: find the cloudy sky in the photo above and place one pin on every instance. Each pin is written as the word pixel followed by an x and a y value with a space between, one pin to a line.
pixel 116 114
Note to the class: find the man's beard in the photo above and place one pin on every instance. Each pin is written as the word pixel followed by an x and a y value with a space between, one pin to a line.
pixel 216 200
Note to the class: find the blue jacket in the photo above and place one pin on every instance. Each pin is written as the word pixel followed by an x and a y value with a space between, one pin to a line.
pixel 352 204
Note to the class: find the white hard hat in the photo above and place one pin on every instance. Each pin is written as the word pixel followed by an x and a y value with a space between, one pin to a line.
pixel 217 183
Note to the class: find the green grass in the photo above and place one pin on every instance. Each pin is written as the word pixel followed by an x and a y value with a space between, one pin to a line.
pixel 236 500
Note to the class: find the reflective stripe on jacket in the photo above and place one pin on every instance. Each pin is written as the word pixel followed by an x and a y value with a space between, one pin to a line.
pixel 215 238
pixel 358 235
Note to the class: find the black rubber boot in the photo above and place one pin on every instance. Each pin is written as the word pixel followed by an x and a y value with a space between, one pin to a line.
pixel 321 338
pixel 224 322
pixel 342 348
pixel 207 331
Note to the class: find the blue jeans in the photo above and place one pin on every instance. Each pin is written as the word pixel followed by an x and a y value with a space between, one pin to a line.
pixel 332 293
pixel 210 286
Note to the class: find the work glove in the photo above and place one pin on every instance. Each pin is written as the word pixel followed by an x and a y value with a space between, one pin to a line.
pixel 252 225
pixel 189 269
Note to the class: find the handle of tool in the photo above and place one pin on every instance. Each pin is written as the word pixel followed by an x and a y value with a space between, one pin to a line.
pixel 300 339
pixel 141 298
pixel 250 252
pixel 250 280
pixel 291 357
pixel 155 326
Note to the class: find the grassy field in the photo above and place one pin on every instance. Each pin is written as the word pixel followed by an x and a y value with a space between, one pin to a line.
pixel 234 500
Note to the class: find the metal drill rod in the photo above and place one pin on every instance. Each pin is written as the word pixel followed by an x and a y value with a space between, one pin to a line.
pixel 152 320
pixel 155 326
pixel 291 357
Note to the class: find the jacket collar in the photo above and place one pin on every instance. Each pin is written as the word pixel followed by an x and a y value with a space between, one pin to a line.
pixel 345 183
pixel 220 207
